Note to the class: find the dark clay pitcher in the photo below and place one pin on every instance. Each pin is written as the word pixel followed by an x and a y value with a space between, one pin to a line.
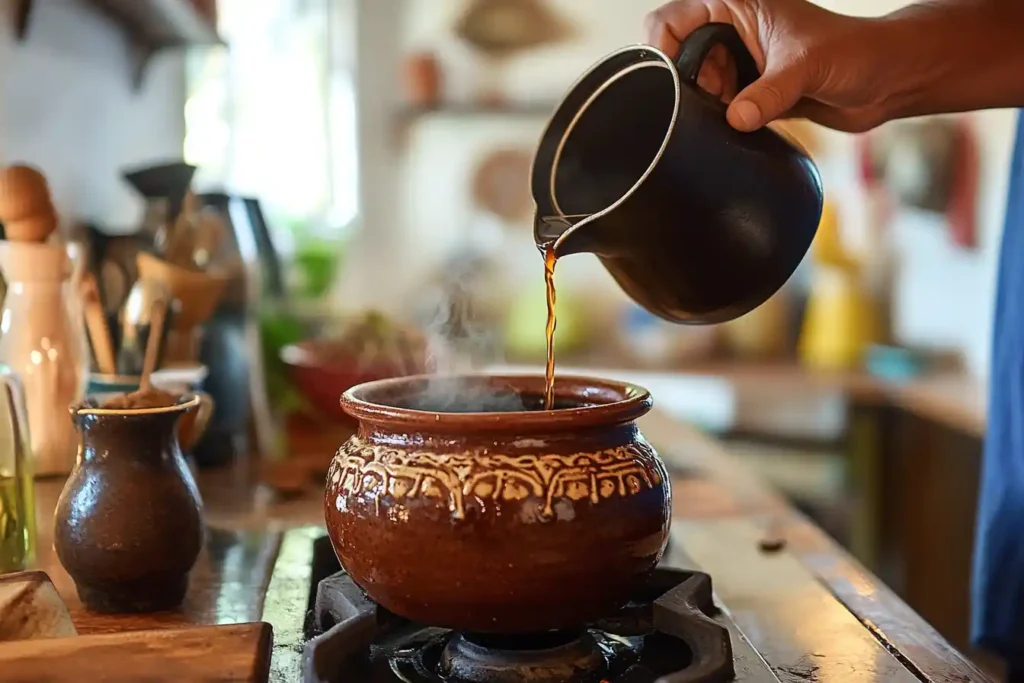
pixel 128 524
pixel 696 221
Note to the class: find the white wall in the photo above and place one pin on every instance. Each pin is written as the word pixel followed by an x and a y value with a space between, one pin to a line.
pixel 67 106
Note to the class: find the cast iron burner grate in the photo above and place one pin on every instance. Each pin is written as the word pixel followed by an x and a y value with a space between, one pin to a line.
pixel 664 635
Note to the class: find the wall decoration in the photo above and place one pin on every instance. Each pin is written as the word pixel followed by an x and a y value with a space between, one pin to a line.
pixel 501 184
pixel 929 165
pixel 422 80
pixel 500 28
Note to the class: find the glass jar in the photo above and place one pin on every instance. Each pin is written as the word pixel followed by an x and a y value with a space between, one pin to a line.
pixel 17 499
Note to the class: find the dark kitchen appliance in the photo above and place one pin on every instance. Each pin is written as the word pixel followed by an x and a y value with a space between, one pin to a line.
pixel 231 343
pixel 167 182
pixel 270 260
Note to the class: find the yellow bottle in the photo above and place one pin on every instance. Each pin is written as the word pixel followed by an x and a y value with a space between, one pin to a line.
pixel 840 321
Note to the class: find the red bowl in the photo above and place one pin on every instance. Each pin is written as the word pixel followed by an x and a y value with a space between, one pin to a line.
pixel 322 381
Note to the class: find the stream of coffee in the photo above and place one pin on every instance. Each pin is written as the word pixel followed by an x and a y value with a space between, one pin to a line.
pixel 549 331
pixel 547 230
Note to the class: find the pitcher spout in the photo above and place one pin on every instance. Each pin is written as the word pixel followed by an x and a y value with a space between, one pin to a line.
pixel 563 234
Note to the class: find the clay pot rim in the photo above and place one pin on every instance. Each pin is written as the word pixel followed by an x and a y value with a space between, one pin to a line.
pixel 630 402
pixel 186 402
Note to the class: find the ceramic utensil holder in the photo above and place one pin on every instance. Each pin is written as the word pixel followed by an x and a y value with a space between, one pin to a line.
pixel 197 295
pixel 198 292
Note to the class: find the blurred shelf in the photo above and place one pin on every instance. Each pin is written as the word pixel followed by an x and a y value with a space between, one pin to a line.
pixel 150 26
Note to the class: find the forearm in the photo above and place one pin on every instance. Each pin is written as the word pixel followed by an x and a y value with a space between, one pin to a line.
pixel 952 56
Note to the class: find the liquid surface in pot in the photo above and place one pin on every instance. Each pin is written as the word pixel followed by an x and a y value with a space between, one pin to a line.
pixel 489 402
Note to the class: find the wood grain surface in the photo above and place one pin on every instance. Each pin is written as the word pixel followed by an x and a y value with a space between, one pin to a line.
pixel 728 554
pixel 30 607
pixel 221 654
pixel 226 586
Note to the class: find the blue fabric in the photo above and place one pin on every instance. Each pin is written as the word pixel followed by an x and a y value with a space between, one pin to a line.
pixel 998 577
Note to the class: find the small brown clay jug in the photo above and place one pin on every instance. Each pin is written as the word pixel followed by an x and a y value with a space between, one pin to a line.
pixel 129 525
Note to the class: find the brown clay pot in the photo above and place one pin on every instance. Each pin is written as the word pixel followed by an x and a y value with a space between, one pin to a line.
pixel 501 522
pixel 128 524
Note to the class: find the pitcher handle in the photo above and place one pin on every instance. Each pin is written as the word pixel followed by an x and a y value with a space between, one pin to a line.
pixel 695 48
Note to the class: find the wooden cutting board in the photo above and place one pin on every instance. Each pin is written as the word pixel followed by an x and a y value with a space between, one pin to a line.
pixel 237 653
pixel 30 607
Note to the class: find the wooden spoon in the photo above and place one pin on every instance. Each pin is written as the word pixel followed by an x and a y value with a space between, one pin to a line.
pixel 156 331
pixel 96 324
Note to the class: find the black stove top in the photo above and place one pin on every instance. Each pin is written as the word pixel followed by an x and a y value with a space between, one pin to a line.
pixel 664 634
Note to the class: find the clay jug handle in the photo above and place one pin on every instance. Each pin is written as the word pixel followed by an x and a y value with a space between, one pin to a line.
pixel 695 48
pixel 191 430
pixel 203 413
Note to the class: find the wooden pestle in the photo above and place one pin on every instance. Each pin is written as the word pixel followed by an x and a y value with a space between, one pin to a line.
pixel 157 320
pixel 26 209
pixel 96 325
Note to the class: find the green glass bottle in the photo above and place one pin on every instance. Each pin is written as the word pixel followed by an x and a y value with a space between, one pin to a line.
pixel 17 499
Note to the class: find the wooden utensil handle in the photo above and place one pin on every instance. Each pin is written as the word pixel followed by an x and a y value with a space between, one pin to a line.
pixel 96 324
pixel 153 343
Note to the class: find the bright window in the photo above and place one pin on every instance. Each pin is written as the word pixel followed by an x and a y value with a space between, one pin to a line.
pixel 273 116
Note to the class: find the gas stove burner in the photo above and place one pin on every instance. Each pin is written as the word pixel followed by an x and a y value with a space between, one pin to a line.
pixel 664 634
pixel 543 658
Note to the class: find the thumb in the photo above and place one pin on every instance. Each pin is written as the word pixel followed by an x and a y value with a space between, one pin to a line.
pixel 767 98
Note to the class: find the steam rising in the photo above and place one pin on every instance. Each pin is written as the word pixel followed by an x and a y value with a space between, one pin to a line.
pixel 459 342
pixel 451 395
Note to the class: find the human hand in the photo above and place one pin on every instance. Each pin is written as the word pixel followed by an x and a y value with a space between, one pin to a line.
pixel 815 64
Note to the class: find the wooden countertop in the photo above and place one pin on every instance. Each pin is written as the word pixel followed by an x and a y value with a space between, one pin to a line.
pixel 955 399
pixel 720 510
